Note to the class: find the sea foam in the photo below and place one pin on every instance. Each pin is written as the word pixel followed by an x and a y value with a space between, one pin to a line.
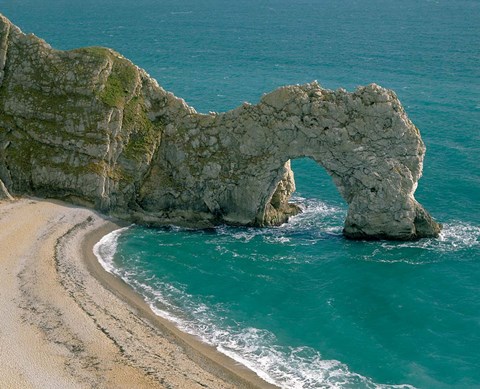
pixel 105 249
pixel 257 349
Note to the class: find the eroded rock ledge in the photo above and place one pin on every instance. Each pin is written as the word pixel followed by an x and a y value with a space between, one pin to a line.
pixel 89 127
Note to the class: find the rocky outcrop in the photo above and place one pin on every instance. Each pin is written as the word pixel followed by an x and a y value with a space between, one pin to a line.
pixel 89 127
pixel 4 194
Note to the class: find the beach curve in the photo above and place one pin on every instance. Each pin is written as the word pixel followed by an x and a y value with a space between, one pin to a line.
pixel 67 323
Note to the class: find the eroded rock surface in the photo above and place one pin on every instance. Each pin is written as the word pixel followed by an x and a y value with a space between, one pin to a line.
pixel 4 194
pixel 89 127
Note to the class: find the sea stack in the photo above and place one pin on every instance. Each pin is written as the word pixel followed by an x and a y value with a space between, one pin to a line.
pixel 89 127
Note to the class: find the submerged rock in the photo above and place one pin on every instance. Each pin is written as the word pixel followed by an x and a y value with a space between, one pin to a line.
pixel 89 127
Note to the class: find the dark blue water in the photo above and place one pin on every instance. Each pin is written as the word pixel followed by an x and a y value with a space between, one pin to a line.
pixel 299 304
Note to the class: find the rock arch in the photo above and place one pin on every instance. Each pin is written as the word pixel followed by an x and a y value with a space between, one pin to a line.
pixel 89 127
pixel 364 140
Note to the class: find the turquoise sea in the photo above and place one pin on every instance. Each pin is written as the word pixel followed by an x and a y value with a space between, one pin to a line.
pixel 299 304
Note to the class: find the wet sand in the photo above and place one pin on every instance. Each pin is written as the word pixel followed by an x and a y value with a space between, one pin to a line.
pixel 67 323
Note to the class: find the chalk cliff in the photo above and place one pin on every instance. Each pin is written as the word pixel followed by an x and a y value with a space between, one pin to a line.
pixel 89 127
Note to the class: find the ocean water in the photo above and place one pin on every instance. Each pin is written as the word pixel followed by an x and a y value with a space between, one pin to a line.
pixel 299 304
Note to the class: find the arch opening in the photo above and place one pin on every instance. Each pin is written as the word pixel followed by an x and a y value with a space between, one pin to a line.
pixel 313 182
pixel 303 183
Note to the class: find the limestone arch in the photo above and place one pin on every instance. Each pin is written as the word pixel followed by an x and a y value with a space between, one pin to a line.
pixel 364 141
pixel 233 167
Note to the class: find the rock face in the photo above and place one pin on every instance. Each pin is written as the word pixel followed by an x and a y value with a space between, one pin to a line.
pixel 4 195
pixel 89 127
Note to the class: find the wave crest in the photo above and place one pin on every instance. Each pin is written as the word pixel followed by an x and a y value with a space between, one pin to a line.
pixel 105 249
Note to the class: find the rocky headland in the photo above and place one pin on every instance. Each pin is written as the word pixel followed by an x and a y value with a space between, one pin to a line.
pixel 89 127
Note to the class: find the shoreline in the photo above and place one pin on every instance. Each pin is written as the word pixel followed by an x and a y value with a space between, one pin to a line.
pixel 200 352
pixel 68 323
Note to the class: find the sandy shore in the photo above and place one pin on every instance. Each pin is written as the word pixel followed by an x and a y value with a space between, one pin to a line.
pixel 67 323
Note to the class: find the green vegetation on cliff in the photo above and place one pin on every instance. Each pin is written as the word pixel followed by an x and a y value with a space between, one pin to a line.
pixel 121 91
pixel 145 135
pixel 122 80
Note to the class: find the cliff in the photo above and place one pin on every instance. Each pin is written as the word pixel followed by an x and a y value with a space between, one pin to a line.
pixel 89 127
